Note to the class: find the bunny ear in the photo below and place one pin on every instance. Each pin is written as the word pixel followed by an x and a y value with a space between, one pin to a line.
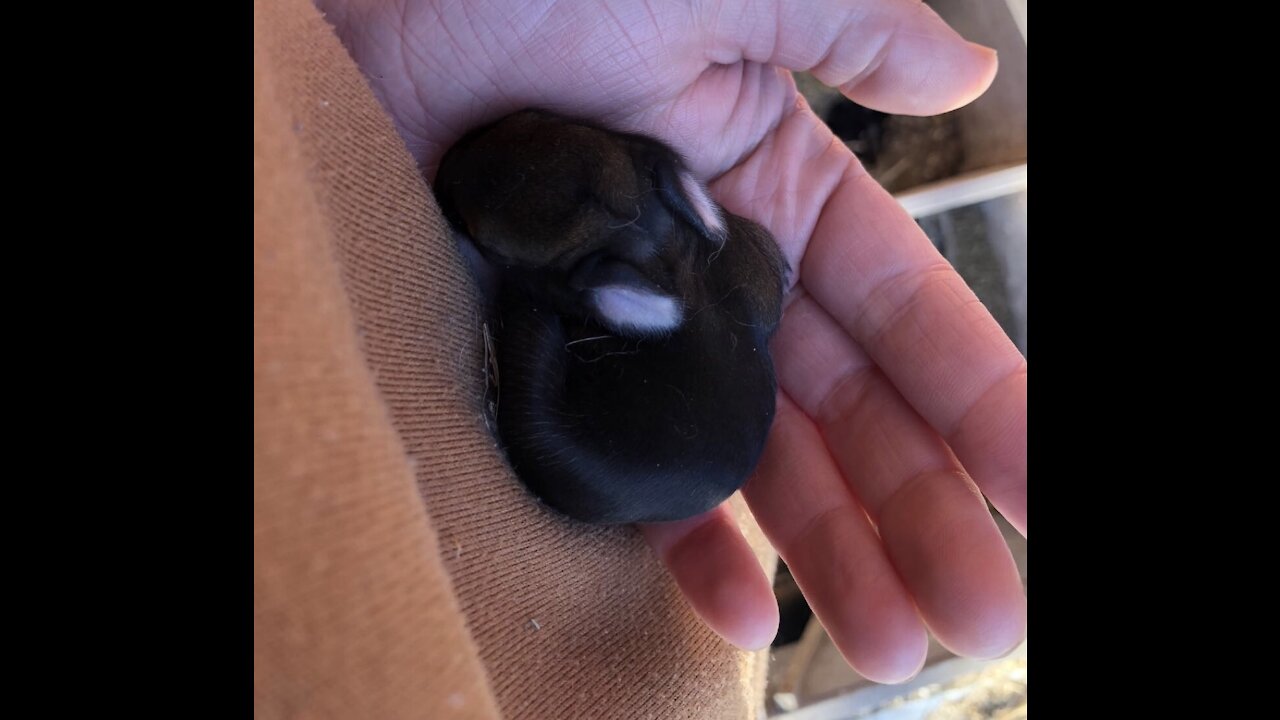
pixel 685 196
pixel 622 299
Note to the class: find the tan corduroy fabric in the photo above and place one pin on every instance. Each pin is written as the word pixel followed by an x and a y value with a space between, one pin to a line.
pixel 400 570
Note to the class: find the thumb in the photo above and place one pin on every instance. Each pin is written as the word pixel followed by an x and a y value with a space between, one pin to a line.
pixel 896 56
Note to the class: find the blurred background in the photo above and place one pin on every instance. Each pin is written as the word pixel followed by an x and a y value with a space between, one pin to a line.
pixel 963 177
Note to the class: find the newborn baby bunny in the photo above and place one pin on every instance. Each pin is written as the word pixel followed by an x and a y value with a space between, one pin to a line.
pixel 633 317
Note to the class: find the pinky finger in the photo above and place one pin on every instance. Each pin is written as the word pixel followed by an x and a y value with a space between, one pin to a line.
pixel 719 575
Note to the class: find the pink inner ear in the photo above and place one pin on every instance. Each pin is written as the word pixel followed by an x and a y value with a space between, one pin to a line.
pixel 703 205
pixel 627 309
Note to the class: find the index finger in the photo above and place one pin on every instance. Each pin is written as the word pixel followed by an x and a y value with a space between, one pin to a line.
pixel 864 260
pixel 871 267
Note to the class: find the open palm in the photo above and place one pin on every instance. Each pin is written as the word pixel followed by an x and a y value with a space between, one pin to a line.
pixel 899 390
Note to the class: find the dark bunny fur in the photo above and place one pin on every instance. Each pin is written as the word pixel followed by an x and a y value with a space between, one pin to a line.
pixel 633 317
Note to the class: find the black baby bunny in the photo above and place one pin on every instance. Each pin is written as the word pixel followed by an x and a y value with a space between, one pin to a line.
pixel 633 317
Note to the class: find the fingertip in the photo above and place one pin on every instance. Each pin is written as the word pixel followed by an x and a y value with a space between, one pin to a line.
pixel 924 75
pixel 987 60
pixel 989 52
pixel 949 551
pixel 720 577
pixel 990 628
pixel 742 608
pixel 745 617
pixel 895 664
pixel 996 633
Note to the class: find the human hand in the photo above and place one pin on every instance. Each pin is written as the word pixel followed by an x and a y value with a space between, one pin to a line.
pixel 892 373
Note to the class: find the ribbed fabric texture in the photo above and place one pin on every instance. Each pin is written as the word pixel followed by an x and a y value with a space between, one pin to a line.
pixel 400 570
